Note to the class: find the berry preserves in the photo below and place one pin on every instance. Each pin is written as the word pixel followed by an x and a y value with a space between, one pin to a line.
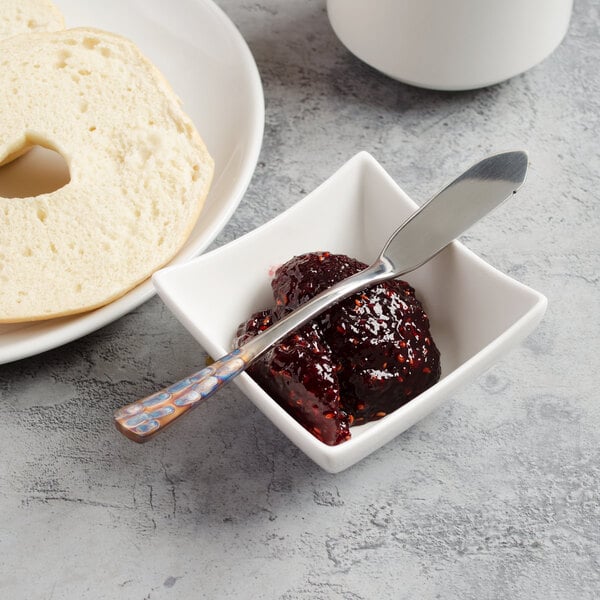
pixel 358 361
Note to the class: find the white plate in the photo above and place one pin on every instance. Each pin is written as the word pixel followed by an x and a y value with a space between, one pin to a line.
pixel 477 313
pixel 209 65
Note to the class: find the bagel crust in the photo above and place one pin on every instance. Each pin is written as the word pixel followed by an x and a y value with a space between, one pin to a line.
pixel 28 16
pixel 139 172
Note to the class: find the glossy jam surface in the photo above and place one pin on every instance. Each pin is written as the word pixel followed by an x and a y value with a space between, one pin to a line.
pixel 358 361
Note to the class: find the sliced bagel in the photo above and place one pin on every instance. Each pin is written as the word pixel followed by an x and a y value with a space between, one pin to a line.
pixel 28 16
pixel 139 172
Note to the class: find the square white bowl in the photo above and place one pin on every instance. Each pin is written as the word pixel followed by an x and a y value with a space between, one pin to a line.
pixel 476 312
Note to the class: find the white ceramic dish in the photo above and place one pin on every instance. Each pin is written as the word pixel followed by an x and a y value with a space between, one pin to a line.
pixel 209 65
pixel 454 44
pixel 476 312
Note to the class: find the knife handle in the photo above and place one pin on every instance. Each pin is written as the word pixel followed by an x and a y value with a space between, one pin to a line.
pixel 144 418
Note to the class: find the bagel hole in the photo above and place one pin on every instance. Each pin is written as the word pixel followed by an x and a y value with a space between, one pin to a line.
pixel 39 171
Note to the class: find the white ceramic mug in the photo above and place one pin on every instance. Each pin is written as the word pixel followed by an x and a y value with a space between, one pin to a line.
pixel 450 44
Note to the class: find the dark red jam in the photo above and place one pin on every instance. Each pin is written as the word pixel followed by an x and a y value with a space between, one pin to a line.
pixel 357 362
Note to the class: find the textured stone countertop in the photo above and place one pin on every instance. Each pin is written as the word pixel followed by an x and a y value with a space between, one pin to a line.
pixel 493 496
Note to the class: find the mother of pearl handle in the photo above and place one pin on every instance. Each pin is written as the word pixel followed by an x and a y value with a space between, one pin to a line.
pixel 144 418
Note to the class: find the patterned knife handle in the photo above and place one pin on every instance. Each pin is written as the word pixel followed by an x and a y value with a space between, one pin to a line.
pixel 144 418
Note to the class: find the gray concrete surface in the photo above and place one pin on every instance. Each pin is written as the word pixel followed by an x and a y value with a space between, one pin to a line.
pixel 494 496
